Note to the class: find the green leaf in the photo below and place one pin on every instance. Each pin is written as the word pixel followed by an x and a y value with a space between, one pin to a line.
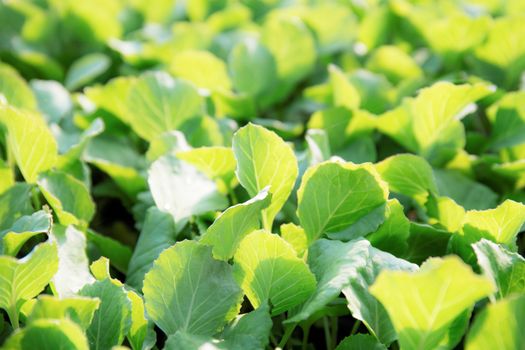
pixel 433 119
pixel 268 270
pixel 360 342
pixel 393 233
pixel 112 320
pixel 426 241
pixel 141 334
pixel 185 341
pixel 504 268
pixel 217 163
pixel 112 97
pixel 169 143
pixel 14 203
pixel 239 107
pixel 362 304
pixel 69 197
pixel 86 69
pixel 120 161
pixel 318 146
pixel 100 270
pixel 334 265
pixel 264 159
pixel 159 103
pixel 22 230
pixel 512 170
pixel 78 309
pixel 118 253
pixel 14 89
pixel 228 230
pixel 296 236
pixel 53 99
pixel 285 38
pixel 202 68
pixel 428 125
pixel 464 191
pixel 25 278
pixel 187 290
pixel 375 26
pixel 342 125
pixel 344 94
pixel 73 264
pixel 333 196
pixel 394 63
pixel 422 305
pixel 409 175
pixel 507 117
pixel 157 234
pixel 249 331
pixel 246 55
pixel 445 213
pixel 30 141
pixel 498 326
pixel 7 177
pixel 48 334
pixel 500 57
pixel 500 225
pixel 181 190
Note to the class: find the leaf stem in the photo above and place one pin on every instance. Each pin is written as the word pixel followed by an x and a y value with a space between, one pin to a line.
pixel 265 223
pixel 13 316
pixel 334 330
pixel 355 327
pixel 288 330
pixel 233 196
pixel 327 334
pixel 11 162
pixel 306 334
pixel 35 198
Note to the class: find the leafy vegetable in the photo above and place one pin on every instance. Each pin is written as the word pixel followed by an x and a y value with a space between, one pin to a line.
pixel 262 174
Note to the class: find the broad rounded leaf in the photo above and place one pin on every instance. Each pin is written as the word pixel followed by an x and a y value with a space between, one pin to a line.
pixel 252 67
pixel 500 224
pixel 78 309
pixel 409 175
pixel 30 141
pixel 86 69
pixel 14 89
pixel 112 320
pixel 69 197
pixel 73 264
pixel 23 279
pixel 23 229
pixel 360 342
pixel 202 68
pixel 218 163
pixel 159 103
pixel 181 190
pixel 48 334
pixel 334 195
pixel 228 230
pixel 264 159
pixel 504 268
pixel 187 290
pixel 269 270
pixel 499 326
pixel 157 234
pixel 363 305
pixel 334 265
pixel 422 305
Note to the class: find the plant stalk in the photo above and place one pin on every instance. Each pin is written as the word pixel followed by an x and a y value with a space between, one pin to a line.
pixel 288 330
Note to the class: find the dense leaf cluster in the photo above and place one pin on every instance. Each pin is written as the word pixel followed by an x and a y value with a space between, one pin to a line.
pixel 253 174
